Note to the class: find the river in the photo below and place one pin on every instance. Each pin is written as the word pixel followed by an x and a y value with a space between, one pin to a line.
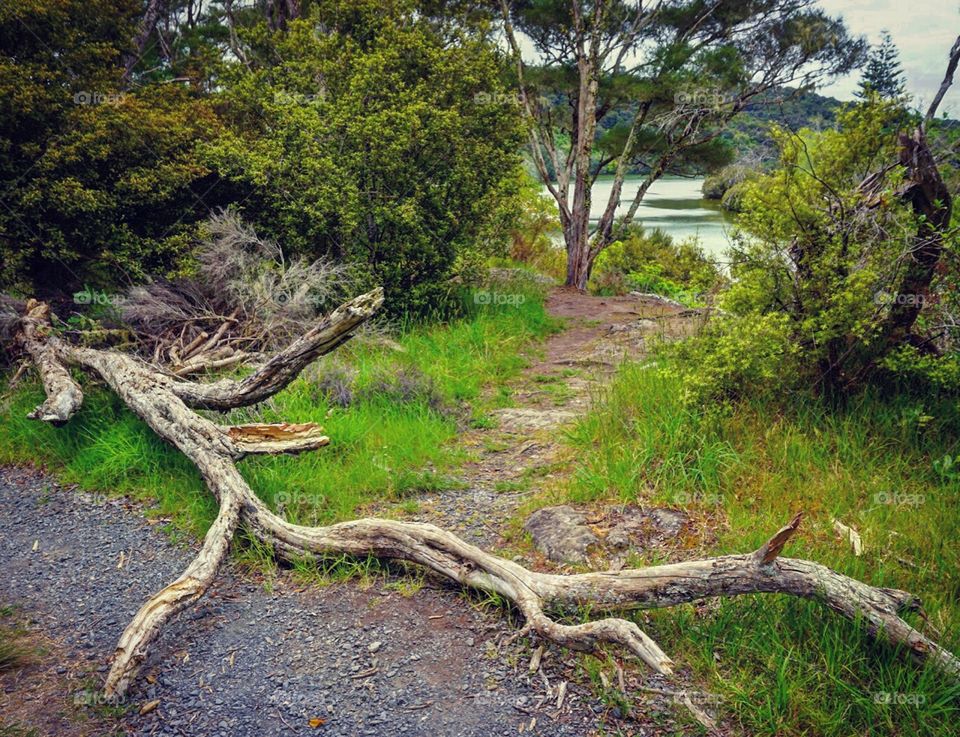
pixel 673 204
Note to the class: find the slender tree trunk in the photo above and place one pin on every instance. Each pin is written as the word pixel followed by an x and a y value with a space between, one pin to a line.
pixel 151 16
pixel 577 236
pixel 579 262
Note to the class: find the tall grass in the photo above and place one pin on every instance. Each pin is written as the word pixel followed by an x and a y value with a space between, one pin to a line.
pixel 784 666
pixel 385 444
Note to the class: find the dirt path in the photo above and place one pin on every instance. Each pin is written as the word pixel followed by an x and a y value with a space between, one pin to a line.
pixel 271 657
pixel 515 457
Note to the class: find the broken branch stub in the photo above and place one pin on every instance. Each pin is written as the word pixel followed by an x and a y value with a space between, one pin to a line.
pixel 166 404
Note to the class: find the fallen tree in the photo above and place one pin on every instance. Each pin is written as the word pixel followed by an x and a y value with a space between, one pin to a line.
pixel 167 403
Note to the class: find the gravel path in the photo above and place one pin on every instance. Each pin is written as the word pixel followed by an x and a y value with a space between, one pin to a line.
pixel 247 661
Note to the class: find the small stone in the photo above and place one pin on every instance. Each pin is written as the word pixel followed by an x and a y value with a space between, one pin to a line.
pixel 374 646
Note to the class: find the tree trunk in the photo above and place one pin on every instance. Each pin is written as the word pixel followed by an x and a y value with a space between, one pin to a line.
pixel 151 16
pixel 579 262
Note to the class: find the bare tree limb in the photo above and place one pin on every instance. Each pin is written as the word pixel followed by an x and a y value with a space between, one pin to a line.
pixel 284 367
pixel 64 396
pixel 161 403
pixel 952 60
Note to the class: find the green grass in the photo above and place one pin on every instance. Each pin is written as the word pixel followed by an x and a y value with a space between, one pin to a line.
pixel 782 666
pixel 391 441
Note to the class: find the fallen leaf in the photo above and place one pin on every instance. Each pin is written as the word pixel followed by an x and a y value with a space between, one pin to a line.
pixel 316 722
pixel 36 545
pixel 149 706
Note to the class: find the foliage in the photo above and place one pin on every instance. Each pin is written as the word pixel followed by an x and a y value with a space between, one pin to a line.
pixel 715 185
pixel 751 133
pixel 368 133
pixel 243 288
pixel 883 74
pixel 372 141
pixel 729 185
pixel 100 186
pixel 814 265
pixel 533 230
pixel 653 262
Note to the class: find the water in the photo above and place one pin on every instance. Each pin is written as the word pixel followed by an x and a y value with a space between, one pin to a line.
pixel 673 204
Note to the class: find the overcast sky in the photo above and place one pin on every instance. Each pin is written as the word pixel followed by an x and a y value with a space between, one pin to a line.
pixel 923 30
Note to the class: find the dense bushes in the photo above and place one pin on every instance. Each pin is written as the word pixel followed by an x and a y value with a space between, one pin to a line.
pixel 653 262
pixel 374 142
pixel 817 270
pixel 359 133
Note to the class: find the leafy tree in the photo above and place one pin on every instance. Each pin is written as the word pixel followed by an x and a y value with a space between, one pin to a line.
pixel 671 75
pixel 883 74
pixel 98 185
pixel 362 134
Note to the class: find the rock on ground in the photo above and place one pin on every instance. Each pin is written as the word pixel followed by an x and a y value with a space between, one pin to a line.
pixel 561 533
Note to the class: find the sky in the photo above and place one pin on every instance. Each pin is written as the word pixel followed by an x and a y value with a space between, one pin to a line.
pixel 923 30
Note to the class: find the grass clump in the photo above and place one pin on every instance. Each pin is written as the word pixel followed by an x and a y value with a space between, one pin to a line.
pixel 13 653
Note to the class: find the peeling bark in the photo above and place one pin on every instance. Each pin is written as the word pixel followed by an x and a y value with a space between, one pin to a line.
pixel 64 396
pixel 165 403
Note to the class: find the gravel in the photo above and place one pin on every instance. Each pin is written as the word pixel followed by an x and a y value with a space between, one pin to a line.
pixel 251 659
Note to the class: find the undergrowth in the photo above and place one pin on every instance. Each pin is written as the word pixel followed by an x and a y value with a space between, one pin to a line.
pixel 883 465
pixel 390 427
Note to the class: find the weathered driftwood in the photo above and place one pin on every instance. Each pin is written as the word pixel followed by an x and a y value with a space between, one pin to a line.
pixel 166 404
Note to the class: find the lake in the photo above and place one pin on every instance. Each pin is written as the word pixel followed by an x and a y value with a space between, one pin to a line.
pixel 673 204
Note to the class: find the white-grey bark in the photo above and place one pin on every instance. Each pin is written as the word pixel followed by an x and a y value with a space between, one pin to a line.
pixel 165 405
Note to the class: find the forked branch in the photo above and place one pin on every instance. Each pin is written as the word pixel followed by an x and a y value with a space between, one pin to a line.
pixel 166 403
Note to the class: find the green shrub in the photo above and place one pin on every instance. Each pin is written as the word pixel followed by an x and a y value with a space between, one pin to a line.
pixel 653 262
pixel 371 139
pixel 100 186
pixel 813 268
pixel 716 185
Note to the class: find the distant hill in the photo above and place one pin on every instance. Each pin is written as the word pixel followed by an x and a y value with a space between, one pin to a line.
pixel 749 132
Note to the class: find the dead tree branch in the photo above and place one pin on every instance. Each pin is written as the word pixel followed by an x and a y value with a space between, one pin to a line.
pixel 165 404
